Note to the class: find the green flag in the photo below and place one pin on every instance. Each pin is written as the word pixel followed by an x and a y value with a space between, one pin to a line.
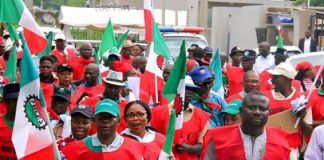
pixel 48 49
pixel 279 40
pixel 174 90
pixel 12 32
pixel 121 40
pixel 11 66
pixel 108 40
pixel 96 57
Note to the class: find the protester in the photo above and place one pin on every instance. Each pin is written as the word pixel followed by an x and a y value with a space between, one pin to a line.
pixel 63 54
pixel 235 74
pixel 10 95
pixel 90 87
pixel 79 65
pixel 126 52
pixel 59 113
pixel 283 92
pixel 46 76
pixel 206 100
pixel 138 116
pixel 316 103
pixel 251 83
pixel 138 50
pixel 306 75
pixel 64 75
pixel 195 124
pixel 249 140
pixel 198 54
pixel 109 62
pixel 107 143
pixel 208 53
pixel 265 59
pixel 231 112
pixel 81 118
pixel 113 84
pixel 307 44
pixel 236 54
pixel 166 72
pixel 190 51
pixel 142 64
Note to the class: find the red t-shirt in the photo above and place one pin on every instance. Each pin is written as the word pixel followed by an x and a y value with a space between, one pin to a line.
pixel 190 133
pixel 235 79
pixel 7 150
pixel 232 97
pixel 78 67
pixel 316 101
pixel 84 150
pixel 63 58
pixel 277 106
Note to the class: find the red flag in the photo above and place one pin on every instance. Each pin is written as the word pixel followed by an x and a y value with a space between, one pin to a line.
pixel 148 18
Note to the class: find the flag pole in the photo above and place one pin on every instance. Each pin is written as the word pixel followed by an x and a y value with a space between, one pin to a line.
pixel 310 91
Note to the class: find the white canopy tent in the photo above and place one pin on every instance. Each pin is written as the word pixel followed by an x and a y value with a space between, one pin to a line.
pixel 97 18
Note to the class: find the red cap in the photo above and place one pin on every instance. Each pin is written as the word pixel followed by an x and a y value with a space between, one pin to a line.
pixel 122 67
pixel 191 64
pixel 303 65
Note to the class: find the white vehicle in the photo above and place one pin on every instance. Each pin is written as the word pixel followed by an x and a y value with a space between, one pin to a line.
pixel 173 38
pixel 315 58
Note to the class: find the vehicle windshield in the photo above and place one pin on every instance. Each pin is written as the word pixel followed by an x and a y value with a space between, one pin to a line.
pixel 174 43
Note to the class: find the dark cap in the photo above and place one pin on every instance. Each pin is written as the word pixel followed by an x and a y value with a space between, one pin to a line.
pixel 198 53
pixel 82 109
pixel 11 90
pixel 235 50
pixel 249 55
pixel 208 50
pixel 64 67
pixel 61 92
pixel 200 74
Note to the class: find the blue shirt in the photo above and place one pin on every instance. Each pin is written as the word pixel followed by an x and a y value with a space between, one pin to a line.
pixel 216 119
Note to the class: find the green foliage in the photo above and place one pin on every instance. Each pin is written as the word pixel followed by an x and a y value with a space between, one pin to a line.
pixel 316 3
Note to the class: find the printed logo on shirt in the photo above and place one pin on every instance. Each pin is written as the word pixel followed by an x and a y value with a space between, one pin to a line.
pixel 34 112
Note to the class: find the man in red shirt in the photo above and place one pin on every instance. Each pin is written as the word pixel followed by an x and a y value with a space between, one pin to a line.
pixel 249 140
pixel 235 74
pixel 62 53
pixel 251 83
pixel 316 102
pixel 113 86
pixel 283 92
pixel 107 143
pixel 85 58
pixel 126 52
pixel 90 87
pixel 10 95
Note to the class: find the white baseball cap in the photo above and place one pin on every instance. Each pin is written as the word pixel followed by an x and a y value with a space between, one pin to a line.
pixel 59 36
pixel 284 69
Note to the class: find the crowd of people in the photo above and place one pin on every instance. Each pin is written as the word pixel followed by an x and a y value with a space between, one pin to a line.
pixel 93 115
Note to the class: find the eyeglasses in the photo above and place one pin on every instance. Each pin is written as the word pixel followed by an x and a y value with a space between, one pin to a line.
pixel 137 114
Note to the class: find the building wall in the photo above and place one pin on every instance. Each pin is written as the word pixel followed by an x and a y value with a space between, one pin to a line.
pixel 241 26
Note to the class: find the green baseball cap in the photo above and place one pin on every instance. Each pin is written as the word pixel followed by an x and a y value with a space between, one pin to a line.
pixel 107 106
pixel 233 107
pixel 321 92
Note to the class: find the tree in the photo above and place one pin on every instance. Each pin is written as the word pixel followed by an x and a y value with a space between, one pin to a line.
pixel 312 2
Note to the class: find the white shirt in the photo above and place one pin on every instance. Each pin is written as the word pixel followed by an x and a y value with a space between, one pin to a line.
pixel 307 45
pixel 262 63
pixel 254 147
pixel 148 137
pixel 315 149
pixel 118 141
